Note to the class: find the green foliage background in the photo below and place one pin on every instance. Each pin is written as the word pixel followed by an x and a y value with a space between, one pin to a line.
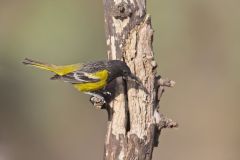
pixel 196 43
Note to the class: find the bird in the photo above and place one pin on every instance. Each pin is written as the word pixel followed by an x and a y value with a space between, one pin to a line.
pixel 90 78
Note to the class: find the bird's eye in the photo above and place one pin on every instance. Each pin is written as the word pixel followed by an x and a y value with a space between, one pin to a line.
pixel 125 72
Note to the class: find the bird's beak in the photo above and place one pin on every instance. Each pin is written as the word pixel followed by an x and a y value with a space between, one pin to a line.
pixel 138 81
pixel 133 77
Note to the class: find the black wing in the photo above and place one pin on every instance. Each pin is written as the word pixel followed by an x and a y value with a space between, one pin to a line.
pixel 78 77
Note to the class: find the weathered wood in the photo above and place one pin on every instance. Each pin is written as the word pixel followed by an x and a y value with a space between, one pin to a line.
pixel 134 121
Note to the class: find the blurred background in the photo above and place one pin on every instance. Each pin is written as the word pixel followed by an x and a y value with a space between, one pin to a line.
pixel 196 43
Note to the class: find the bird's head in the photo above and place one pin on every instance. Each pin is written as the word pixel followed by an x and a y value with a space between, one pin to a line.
pixel 120 69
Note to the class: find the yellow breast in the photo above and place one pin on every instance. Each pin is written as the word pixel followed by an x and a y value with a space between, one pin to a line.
pixel 93 86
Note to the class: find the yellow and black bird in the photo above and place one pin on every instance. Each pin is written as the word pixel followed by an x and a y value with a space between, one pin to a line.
pixel 90 78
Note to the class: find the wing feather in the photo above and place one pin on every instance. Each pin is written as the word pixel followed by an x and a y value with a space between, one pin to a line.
pixel 80 77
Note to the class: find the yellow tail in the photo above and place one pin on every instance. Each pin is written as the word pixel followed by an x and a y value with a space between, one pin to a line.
pixel 59 70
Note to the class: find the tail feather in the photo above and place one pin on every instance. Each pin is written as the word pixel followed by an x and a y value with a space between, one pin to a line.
pixel 56 77
pixel 31 62
pixel 59 70
pixel 40 65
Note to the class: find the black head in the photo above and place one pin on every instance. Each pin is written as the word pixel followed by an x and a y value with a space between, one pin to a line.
pixel 119 68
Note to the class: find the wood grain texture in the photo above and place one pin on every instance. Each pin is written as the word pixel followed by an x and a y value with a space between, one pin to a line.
pixel 134 121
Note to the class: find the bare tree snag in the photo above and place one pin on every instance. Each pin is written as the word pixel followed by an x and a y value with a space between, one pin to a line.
pixel 134 122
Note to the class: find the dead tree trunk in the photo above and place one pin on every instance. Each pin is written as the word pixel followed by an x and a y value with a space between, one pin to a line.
pixel 134 121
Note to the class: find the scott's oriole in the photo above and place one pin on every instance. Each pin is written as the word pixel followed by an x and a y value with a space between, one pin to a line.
pixel 90 78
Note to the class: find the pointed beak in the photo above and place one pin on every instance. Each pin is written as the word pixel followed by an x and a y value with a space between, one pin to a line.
pixel 138 81
pixel 133 77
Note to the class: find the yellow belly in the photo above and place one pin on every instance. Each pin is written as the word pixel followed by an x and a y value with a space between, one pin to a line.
pixel 93 86
pixel 88 87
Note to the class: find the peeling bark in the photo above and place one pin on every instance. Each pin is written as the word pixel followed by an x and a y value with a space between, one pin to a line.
pixel 134 121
